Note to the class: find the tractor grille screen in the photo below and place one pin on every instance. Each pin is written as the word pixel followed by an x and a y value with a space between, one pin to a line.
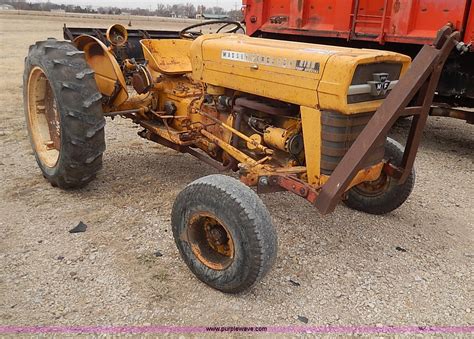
pixel 365 73
pixel 339 131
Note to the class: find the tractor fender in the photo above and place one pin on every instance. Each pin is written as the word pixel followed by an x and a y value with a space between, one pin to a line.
pixel 108 75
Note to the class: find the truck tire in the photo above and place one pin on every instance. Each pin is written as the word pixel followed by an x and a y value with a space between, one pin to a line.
pixel 224 233
pixel 64 113
pixel 384 194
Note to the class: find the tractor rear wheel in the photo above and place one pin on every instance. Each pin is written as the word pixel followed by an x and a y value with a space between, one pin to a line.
pixel 385 194
pixel 224 233
pixel 63 113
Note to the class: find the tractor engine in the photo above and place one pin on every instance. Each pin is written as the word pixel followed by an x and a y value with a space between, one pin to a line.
pixel 267 122
pixel 256 105
pixel 268 81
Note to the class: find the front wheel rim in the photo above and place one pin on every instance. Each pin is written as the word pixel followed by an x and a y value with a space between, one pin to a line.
pixel 43 118
pixel 211 241
pixel 374 188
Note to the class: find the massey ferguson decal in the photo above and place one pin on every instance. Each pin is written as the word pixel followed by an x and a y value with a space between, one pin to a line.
pixel 380 85
pixel 299 65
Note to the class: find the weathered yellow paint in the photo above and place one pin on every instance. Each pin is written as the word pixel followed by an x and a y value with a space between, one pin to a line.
pixel 167 56
pixel 313 77
pixel 117 35
pixel 278 137
pixel 338 75
pixel 367 174
pixel 267 68
pixel 234 152
pixel 311 123
pixel 268 81
pixel 106 68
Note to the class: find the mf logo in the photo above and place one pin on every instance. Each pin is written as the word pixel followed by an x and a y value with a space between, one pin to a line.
pixel 380 85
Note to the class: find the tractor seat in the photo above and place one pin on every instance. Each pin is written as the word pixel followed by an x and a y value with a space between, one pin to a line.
pixel 167 56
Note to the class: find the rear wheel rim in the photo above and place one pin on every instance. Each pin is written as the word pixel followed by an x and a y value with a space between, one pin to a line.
pixel 43 118
pixel 210 241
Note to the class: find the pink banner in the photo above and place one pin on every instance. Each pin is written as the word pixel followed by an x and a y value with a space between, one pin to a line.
pixel 259 329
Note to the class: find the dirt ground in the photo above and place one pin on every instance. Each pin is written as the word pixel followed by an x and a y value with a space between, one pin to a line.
pixel 347 264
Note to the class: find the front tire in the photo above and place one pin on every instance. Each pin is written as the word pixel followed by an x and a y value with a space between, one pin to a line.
pixel 64 113
pixel 224 233
pixel 383 195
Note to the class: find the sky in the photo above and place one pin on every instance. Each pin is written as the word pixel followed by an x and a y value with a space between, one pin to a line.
pixel 226 4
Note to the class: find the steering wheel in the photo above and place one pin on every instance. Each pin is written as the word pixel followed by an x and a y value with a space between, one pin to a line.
pixel 186 34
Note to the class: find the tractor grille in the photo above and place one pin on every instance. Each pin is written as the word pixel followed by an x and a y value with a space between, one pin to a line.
pixel 339 131
pixel 365 73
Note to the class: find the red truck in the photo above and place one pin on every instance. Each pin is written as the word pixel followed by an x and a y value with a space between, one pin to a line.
pixel 398 25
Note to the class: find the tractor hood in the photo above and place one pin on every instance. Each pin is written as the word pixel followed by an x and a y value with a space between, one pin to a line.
pixel 344 79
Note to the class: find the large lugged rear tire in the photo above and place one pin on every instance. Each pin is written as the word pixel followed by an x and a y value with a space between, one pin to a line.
pixel 224 233
pixel 385 194
pixel 64 113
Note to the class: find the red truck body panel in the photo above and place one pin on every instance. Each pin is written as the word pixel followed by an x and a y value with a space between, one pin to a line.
pixel 469 31
pixel 401 26
pixel 399 21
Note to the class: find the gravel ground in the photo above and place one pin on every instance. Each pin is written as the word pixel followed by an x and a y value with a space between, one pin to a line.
pixel 347 264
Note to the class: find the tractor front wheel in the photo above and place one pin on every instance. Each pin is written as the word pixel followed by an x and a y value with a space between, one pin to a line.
pixel 224 233
pixel 385 194
pixel 63 113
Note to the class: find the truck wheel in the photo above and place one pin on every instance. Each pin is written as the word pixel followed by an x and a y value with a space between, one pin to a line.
pixel 224 233
pixel 63 113
pixel 384 194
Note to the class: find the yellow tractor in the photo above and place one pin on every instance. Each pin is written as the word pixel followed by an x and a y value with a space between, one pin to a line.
pixel 286 116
